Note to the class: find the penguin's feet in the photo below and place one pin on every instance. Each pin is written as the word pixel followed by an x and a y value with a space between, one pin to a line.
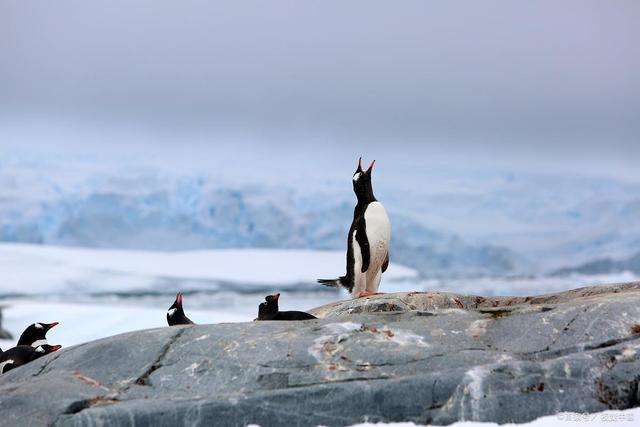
pixel 368 294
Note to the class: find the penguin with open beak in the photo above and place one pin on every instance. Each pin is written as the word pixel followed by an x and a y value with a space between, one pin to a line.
pixel 175 314
pixel 367 242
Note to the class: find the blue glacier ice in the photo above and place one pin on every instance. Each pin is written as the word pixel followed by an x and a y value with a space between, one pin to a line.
pixel 458 223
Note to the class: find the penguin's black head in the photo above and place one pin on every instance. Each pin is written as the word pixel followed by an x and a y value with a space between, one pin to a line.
pixel 362 183
pixel 43 350
pixel 176 307
pixel 46 349
pixel 35 334
pixel 268 309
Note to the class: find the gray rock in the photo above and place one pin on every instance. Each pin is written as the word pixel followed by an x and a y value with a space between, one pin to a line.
pixel 423 357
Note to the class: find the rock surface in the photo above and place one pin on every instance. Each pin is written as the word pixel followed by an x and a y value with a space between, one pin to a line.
pixel 422 357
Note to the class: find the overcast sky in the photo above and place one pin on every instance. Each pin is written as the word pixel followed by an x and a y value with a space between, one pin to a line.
pixel 522 83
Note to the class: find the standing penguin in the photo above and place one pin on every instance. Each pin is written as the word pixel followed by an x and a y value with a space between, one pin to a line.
pixel 368 240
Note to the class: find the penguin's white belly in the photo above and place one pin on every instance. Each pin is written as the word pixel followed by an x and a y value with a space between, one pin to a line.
pixel 378 229
pixel 378 233
pixel 359 278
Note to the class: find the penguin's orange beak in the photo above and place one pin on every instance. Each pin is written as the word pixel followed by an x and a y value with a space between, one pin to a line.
pixel 179 298
pixel 276 296
pixel 371 166
pixel 56 347
pixel 52 325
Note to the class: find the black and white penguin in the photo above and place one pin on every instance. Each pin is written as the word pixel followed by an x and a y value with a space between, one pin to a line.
pixel 268 310
pixel 36 334
pixel 367 242
pixel 175 314
pixel 23 354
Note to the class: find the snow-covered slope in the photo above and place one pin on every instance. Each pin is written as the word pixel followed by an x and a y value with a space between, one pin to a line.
pixel 41 270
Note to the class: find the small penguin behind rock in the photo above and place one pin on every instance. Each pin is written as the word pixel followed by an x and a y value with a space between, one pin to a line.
pixel 367 242
pixel 23 354
pixel 35 334
pixel 175 314
pixel 268 310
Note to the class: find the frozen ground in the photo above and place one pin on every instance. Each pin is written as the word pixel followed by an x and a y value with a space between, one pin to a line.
pixel 40 270
pixel 96 293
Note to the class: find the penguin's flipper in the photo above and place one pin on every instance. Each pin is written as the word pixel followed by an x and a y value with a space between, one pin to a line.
pixel 385 264
pixel 363 242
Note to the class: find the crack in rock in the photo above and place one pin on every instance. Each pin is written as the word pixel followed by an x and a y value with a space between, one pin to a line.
pixel 340 381
pixel 157 364
pixel 113 398
pixel 542 355
pixel 81 405
pixel 46 365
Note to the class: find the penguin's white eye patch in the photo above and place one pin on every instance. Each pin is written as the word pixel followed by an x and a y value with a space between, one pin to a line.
pixel 39 326
pixel 170 312
pixel 357 176
pixel 40 349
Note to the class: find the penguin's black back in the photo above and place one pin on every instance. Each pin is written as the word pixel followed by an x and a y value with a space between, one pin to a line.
pixel 293 315
pixel 269 310
pixel 20 355
pixel 179 318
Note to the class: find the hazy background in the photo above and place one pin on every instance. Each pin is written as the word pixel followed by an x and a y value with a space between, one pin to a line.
pixel 536 85
pixel 506 134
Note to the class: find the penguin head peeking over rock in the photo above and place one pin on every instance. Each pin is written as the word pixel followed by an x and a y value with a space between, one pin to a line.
pixel 269 310
pixel 175 314
pixel 47 348
pixel 23 354
pixel 36 334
